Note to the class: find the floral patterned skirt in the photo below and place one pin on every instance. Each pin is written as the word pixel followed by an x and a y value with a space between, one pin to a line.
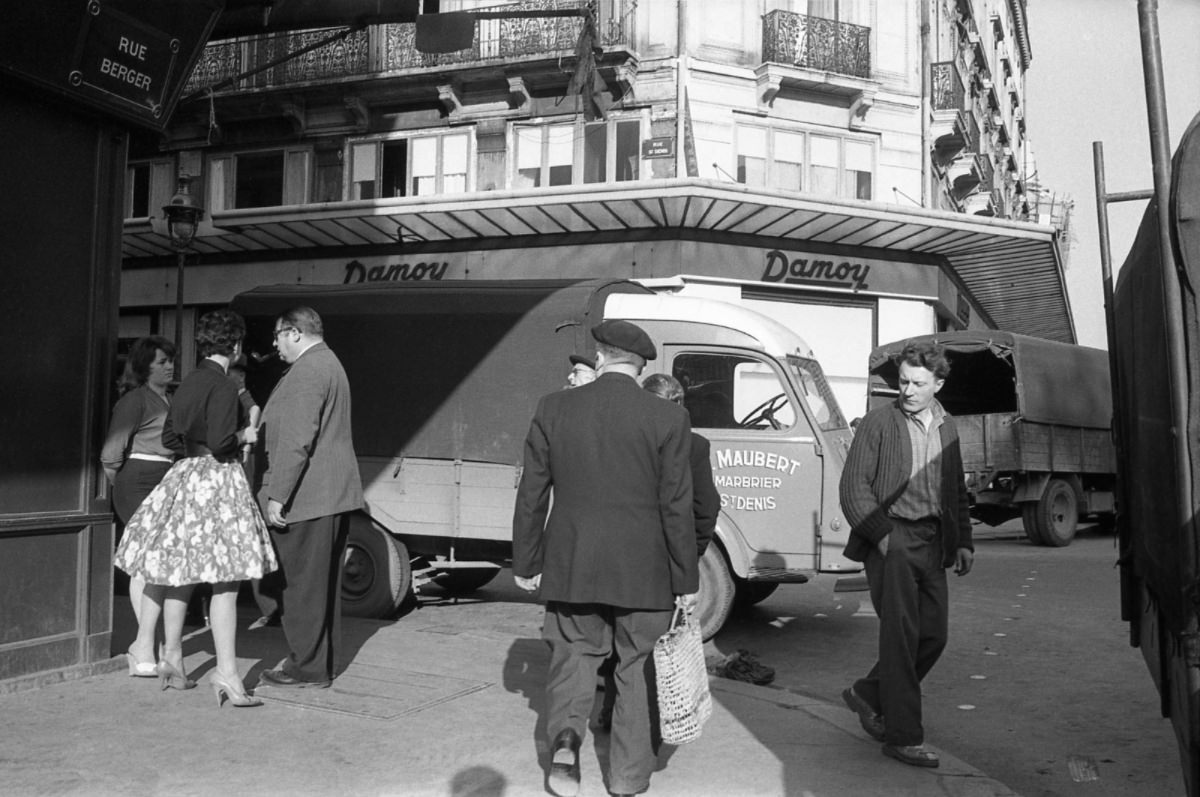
pixel 199 525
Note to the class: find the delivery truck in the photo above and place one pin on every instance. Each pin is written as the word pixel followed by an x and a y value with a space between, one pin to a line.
pixel 1034 418
pixel 445 377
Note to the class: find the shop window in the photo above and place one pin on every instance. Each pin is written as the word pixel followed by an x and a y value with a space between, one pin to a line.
pixel 575 153
pixel 732 391
pixel 410 166
pixel 791 160
pixel 259 179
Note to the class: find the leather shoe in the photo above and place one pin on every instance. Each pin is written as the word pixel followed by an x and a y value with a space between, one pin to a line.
pixel 564 763
pixel 870 721
pixel 281 678
pixel 916 755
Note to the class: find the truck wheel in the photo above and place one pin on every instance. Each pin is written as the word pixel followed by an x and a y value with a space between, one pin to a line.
pixel 376 572
pixel 1029 521
pixel 748 593
pixel 1057 514
pixel 716 592
pixel 462 580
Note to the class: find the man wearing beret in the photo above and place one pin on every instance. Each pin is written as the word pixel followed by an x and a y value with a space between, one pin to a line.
pixel 612 555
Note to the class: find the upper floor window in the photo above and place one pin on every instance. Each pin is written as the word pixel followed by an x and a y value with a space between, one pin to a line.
pixel 259 179
pixel 577 152
pixel 418 165
pixel 148 186
pixel 791 160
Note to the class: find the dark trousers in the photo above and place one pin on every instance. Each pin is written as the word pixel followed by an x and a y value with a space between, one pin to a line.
pixel 581 637
pixel 909 593
pixel 310 558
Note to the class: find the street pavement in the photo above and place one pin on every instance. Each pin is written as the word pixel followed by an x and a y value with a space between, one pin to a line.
pixel 445 701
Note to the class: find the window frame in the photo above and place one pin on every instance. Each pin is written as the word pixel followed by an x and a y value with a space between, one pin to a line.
pixel 381 140
pixel 771 159
pixel 220 183
pixel 579 149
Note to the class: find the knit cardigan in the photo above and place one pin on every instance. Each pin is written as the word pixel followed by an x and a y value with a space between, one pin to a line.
pixel 877 472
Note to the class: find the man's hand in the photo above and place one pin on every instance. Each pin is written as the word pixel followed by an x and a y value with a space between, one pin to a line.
pixel 275 513
pixel 963 562
pixel 530 584
pixel 882 545
pixel 687 602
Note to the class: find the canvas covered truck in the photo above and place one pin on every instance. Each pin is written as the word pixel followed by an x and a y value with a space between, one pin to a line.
pixel 445 377
pixel 1034 418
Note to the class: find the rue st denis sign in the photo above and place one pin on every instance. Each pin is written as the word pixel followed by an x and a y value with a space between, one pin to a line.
pixel 126 58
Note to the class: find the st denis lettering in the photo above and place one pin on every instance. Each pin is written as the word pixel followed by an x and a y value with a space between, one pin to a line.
pixel 810 271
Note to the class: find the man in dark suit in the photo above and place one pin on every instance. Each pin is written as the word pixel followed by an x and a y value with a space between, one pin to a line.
pixel 310 485
pixel 612 555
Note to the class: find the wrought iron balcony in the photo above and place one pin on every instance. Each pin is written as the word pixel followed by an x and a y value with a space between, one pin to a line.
pixel 816 43
pixel 946 91
pixel 382 49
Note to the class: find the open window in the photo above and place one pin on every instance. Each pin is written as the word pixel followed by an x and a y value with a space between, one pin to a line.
pixel 734 391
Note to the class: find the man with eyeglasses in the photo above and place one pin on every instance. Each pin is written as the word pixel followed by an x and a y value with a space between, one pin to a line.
pixel 310 485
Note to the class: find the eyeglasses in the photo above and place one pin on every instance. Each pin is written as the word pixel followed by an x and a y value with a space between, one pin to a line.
pixel 281 330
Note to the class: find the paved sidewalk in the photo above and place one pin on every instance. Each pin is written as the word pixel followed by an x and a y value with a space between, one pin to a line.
pixel 424 708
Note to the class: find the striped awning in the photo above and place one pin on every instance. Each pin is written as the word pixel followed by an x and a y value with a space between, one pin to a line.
pixel 1012 269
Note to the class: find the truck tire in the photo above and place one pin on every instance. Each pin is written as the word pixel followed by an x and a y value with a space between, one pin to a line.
pixel 716 592
pixel 748 593
pixel 461 580
pixel 1029 521
pixel 1056 514
pixel 376 572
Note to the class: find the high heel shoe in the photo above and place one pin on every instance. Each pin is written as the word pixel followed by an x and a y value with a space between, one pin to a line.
pixel 233 691
pixel 140 669
pixel 170 677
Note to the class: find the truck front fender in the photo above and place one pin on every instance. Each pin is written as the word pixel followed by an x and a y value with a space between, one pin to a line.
pixel 734 543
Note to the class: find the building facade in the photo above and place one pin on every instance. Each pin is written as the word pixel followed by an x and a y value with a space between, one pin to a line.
pixel 854 168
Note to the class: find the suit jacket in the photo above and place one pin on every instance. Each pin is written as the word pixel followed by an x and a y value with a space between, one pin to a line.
pixel 621 531
pixel 706 501
pixel 310 465
pixel 876 473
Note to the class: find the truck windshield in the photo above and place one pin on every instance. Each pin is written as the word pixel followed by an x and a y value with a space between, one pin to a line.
pixel 816 393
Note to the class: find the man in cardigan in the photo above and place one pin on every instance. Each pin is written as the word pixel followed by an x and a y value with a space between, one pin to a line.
pixel 309 487
pixel 905 496
pixel 612 554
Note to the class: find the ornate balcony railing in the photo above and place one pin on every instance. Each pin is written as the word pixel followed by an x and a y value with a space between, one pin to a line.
pixel 946 92
pixel 816 43
pixel 391 48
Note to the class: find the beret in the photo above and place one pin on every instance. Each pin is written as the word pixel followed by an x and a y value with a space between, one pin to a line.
pixel 579 359
pixel 626 336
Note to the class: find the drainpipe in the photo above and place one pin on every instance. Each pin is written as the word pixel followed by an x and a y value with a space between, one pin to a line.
pixel 925 88
pixel 680 87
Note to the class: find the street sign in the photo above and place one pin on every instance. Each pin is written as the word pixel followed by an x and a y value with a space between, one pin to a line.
pixel 126 58
pixel 660 147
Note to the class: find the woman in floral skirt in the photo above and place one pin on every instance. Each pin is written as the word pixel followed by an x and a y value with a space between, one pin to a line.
pixel 201 523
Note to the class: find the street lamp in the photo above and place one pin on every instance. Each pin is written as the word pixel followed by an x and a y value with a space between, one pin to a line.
pixel 183 217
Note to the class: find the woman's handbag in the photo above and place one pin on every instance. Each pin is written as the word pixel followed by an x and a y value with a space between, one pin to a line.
pixel 684 702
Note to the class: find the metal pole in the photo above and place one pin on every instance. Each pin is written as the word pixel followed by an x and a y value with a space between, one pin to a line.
pixel 1160 152
pixel 179 258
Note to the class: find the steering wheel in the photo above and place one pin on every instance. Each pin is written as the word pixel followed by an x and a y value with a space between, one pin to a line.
pixel 765 412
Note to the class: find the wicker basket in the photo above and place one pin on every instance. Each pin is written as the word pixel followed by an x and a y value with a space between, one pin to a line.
pixel 684 702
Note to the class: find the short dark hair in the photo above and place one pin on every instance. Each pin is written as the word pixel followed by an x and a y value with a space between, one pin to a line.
pixel 924 354
pixel 664 386
pixel 141 355
pixel 304 319
pixel 218 332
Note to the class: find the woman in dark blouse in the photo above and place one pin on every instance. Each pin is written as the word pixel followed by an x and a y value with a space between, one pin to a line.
pixel 201 524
